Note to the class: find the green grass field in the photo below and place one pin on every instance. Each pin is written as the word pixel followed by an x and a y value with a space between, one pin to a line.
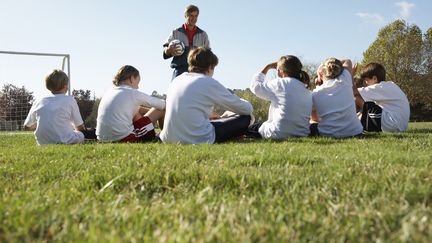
pixel 378 188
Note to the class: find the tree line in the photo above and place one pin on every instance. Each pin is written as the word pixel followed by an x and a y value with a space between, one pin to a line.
pixel 402 48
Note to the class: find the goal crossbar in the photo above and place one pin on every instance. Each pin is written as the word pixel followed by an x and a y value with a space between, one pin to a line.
pixel 66 60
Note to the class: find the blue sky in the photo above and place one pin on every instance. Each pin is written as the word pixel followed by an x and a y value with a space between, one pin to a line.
pixel 101 36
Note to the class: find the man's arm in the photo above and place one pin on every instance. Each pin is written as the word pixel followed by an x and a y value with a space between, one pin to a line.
pixel 168 51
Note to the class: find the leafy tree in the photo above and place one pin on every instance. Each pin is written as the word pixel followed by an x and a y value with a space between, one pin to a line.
pixel 407 56
pixel 90 121
pixel 260 106
pixel 85 102
pixel 427 51
pixel 311 70
pixel 15 103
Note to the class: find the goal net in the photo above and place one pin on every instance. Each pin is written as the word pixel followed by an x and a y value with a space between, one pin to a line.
pixel 22 82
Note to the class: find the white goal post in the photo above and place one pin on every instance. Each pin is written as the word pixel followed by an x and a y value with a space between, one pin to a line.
pixel 66 60
pixel 12 115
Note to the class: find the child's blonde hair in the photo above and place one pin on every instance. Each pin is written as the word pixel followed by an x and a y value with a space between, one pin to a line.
pixel 125 73
pixel 56 80
pixel 332 68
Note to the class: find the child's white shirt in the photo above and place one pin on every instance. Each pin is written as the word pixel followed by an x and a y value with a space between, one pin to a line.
pixel 117 109
pixel 190 101
pixel 394 103
pixel 290 108
pixel 56 117
pixel 334 103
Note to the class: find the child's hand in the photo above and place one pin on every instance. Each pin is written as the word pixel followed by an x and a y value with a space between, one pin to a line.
pixel 227 114
pixel 30 128
pixel 354 69
pixel 269 66
pixel 214 116
pixel 318 81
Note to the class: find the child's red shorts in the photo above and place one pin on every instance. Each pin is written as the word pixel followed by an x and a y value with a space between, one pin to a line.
pixel 143 131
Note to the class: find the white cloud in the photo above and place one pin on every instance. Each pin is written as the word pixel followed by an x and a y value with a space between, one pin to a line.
pixel 405 9
pixel 374 18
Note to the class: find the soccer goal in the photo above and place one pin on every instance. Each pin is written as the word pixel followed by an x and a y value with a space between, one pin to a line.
pixel 22 81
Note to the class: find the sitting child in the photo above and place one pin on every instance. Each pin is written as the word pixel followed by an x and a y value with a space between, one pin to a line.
pixel 384 105
pixel 291 101
pixel 56 117
pixel 119 118
pixel 334 113
pixel 190 101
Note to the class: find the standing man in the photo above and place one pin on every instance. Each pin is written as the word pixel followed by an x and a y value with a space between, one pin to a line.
pixel 190 35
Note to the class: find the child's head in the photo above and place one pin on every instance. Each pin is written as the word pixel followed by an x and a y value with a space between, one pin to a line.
pixel 373 71
pixel 358 82
pixel 331 68
pixel 126 75
pixel 57 81
pixel 201 60
pixel 292 67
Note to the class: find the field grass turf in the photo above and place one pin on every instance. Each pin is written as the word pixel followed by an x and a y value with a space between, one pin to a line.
pixel 377 188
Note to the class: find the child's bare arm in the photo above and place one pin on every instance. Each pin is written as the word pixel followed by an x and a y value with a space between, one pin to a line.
pixel 359 101
pixel 346 63
pixel 80 128
pixel 314 118
pixel 30 128
pixel 269 66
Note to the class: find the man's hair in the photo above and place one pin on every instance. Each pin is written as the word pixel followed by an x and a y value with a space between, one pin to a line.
pixel 124 73
pixel 292 66
pixel 191 8
pixel 200 59
pixel 373 69
pixel 56 80
pixel 332 68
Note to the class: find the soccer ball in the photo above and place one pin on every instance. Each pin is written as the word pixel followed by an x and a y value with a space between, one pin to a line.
pixel 179 47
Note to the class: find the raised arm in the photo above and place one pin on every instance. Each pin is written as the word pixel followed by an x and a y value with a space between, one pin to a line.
pixel 168 51
pixel 359 101
pixel 346 63
pixel 269 66
pixel 259 86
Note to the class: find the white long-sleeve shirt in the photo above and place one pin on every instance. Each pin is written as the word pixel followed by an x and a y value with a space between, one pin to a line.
pixel 117 108
pixel 290 107
pixel 334 103
pixel 190 101
pixel 394 104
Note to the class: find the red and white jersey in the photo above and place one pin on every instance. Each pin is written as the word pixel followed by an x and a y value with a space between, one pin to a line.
pixel 117 109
